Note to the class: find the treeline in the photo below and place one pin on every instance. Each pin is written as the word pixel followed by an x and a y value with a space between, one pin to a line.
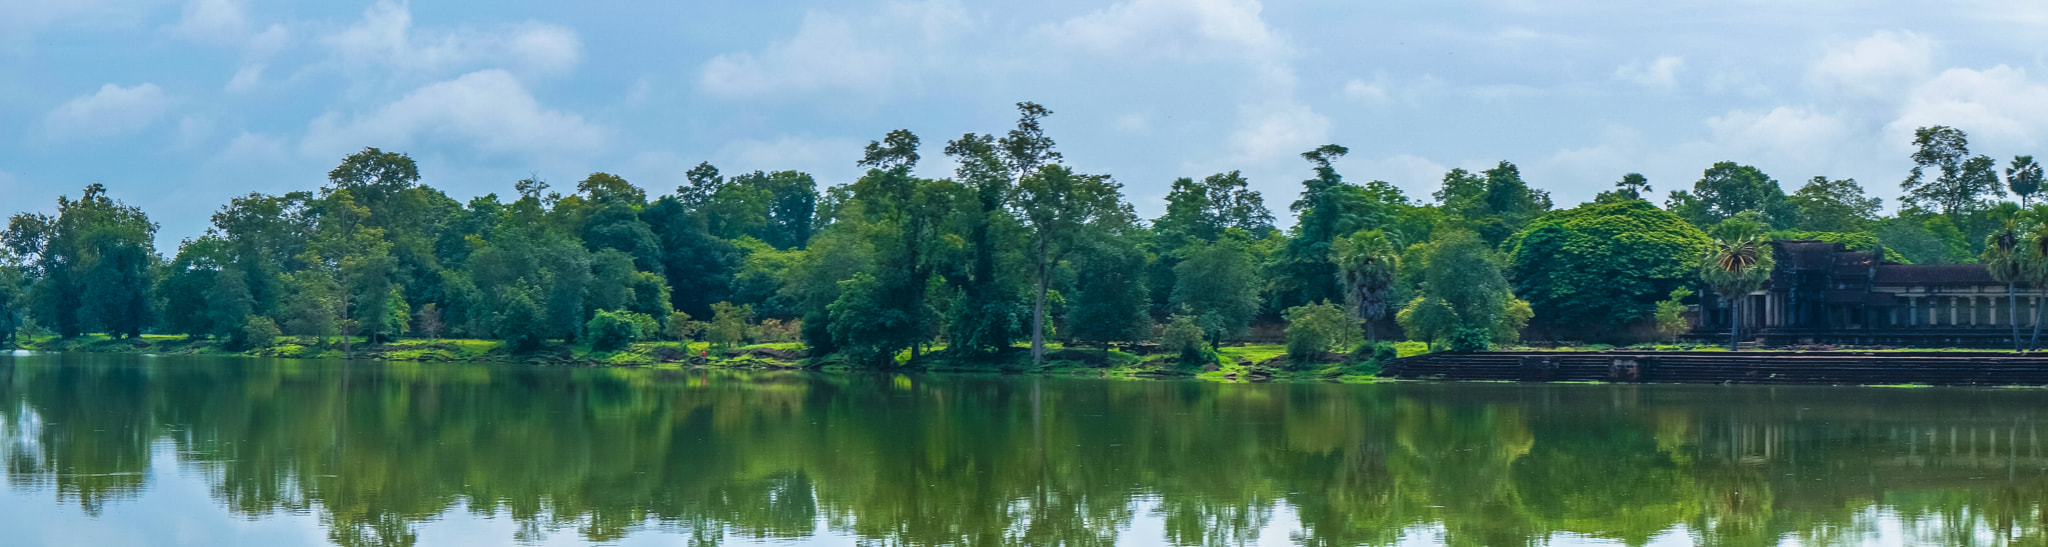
pixel 1015 246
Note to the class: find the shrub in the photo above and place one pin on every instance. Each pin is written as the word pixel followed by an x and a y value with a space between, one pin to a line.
pixel 1370 356
pixel 1471 339
pixel 730 325
pixel 260 332
pixel 1316 328
pixel 681 328
pixel 614 330
pixel 1184 337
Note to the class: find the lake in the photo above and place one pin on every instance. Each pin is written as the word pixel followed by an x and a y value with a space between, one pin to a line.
pixel 139 450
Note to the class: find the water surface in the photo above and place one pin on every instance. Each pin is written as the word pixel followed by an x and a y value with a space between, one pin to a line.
pixel 135 450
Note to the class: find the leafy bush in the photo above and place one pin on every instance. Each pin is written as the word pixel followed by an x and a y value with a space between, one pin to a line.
pixel 614 330
pixel 1316 328
pixel 521 324
pixel 1370 356
pixel 730 325
pixel 1471 339
pixel 1186 338
pixel 681 328
pixel 260 332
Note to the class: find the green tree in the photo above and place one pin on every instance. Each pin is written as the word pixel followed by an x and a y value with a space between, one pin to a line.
pixel 2004 257
pixel 731 326
pixel 521 321
pixel 1635 184
pixel 1315 329
pixel 1735 265
pixel 2024 179
pixel 228 307
pixel 1837 205
pixel 1183 336
pixel 259 332
pixel 1671 314
pixel 1200 211
pixel 1110 297
pixel 863 326
pixel 987 316
pixel 1366 266
pixel 2034 266
pixel 1302 271
pixel 1960 183
pixel 1591 271
pixel 1217 285
pixel 615 330
pixel 1728 189
pixel 1465 300
pixel 1057 204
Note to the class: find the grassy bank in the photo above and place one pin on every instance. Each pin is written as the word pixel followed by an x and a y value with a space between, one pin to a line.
pixel 1235 363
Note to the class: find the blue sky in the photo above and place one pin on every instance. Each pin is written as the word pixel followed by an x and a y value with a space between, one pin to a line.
pixel 177 106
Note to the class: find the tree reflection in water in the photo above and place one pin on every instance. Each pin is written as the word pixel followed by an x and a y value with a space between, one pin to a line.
pixel 378 450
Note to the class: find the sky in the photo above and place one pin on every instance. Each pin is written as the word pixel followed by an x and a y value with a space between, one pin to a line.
pixel 178 106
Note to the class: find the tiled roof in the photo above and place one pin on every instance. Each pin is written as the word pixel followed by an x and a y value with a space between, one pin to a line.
pixel 1942 274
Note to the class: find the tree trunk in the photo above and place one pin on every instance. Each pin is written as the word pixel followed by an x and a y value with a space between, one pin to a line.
pixel 2035 345
pixel 1038 319
pixel 2012 306
pixel 1734 322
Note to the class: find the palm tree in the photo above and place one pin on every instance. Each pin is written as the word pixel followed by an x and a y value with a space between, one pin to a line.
pixel 1735 266
pixel 2002 255
pixel 2024 177
pixel 2034 266
pixel 1365 267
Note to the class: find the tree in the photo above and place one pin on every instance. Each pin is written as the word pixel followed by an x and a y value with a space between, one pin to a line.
pixel 1465 300
pixel 1302 272
pixel 1056 204
pixel 1671 314
pixel 1366 265
pixel 1315 329
pixel 1591 271
pixel 1635 184
pixel 259 332
pixel 988 314
pixel 1110 296
pixel 521 323
pixel 1217 286
pixel 1961 182
pixel 2004 257
pixel 1833 205
pixel 2024 179
pixel 2034 267
pixel 730 325
pixel 428 321
pixel 610 330
pixel 1735 265
pixel 1728 189
pixel 91 261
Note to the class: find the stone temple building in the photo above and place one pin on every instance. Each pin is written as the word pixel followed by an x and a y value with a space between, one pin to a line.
pixel 1823 293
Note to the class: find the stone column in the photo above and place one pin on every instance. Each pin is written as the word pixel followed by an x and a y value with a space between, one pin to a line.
pixel 1953 304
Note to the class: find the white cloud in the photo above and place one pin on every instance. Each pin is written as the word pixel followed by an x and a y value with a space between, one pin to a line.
pixel 113 110
pixel 821 156
pixel 246 78
pixel 1786 132
pixel 255 148
pixel 1879 67
pixel 1375 92
pixel 1186 29
pixel 385 40
pixel 1130 123
pixel 486 111
pixel 1416 176
pixel 1998 106
pixel 1277 131
pixel 1659 74
pixel 212 20
pixel 835 53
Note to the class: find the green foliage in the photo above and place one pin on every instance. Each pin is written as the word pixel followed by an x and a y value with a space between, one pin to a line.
pixel 1927 239
pixel 1367 264
pixel 615 330
pixel 1110 300
pixel 259 332
pixel 1960 184
pixel 522 323
pixel 1217 286
pixel 1317 328
pixel 1464 298
pixel 1188 340
pixel 1590 271
pixel 731 326
pixel 1728 189
pixel 680 328
pixel 1837 205
pixel 1671 314
pixel 1733 268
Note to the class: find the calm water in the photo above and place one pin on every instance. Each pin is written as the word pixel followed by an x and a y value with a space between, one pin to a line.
pixel 135 450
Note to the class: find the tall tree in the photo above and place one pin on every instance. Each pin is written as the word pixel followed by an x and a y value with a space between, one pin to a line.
pixel 1959 184
pixel 1593 271
pixel 1217 285
pixel 1728 189
pixel 989 312
pixel 92 262
pixel 1734 266
pixel 1833 205
pixel 2024 179
pixel 1056 204
pixel 2005 257
pixel 1366 264
pixel 1302 273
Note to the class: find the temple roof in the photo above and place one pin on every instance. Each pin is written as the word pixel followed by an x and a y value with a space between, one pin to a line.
pixel 1934 274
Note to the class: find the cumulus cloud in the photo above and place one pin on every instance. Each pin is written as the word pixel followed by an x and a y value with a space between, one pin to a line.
pixel 1659 74
pixel 1880 67
pixel 113 110
pixel 837 53
pixel 386 40
pixel 486 111
pixel 1998 106
pixel 1187 29
pixel 1791 131
pixel 820 156
pixel 1375 92
pixel 212 20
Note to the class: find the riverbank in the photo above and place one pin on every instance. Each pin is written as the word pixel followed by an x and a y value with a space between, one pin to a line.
pixel 1841 367
pixel 1235 363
